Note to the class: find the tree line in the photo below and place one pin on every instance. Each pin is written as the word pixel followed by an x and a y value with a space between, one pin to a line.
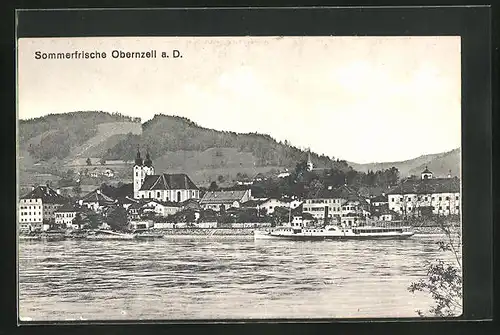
pixel 169 133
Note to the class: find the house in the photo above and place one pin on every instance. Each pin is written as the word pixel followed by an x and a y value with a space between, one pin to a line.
pixel 244 182
pixel 126 202
pixel 39 206
pixel 96 200
pixel 270 204
pixel 383 213
pixel 217 200
pixel 327 202
pixel 95 172
pixel 259 177
pixel 426 196
pixel 193 204
pixel 164 187
pixel 351 219
pixel 65 215
pixel 161 208
pixel 283 174
pixel 139 225
pixel 253 204
pixel 380 200
pixel 358 208
pixel 134 211
pixel 110 173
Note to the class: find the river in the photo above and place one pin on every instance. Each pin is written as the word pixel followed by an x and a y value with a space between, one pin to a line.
pixel 222 279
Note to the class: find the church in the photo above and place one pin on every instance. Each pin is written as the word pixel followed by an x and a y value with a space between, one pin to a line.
pixel 163 187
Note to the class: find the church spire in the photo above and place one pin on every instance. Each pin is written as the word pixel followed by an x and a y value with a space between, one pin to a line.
pixel 138 159
pixel 148 162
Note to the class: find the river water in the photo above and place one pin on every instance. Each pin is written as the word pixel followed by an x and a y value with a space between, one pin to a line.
pixel 222 279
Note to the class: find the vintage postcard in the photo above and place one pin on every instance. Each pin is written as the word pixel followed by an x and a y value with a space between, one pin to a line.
pixel 222 178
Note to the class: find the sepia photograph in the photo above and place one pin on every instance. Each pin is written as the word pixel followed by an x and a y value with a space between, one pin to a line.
pixel 243 177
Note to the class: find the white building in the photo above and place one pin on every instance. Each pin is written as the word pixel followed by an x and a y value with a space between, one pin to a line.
pixel 161 208
pixel 38 206
pixel 429 195
pixel 163 187
pixel 109 173
pixel 354 212
pixel 65 215
pixel 270 204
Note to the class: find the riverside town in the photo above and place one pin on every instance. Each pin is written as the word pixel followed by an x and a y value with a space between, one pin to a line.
pixel 304 203
pixel 251 177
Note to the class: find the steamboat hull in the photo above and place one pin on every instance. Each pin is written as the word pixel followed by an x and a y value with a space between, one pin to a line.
pixel 338 238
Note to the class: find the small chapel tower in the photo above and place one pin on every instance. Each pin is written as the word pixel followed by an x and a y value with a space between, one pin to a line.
pixel 426 174
pixel 310 165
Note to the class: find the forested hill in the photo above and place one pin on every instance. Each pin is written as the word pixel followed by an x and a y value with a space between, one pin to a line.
pixel 440 164
pixel 172 141
pixel 165 134
pixel 58 135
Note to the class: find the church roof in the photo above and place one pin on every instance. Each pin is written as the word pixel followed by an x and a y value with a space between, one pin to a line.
pixel 47 194
pixel 218 197
pixel 427 186
pixel 426 170
pixel 165 181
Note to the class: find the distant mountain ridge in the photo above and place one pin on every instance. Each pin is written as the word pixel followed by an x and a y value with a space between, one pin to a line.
pixel 439 164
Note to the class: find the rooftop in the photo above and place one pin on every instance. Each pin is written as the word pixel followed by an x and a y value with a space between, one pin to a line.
pixel 68 208
pixel 217 197
pixel 165 181
pixel 379 198
pixel 47 194
pixel 97 196
pixel 427 186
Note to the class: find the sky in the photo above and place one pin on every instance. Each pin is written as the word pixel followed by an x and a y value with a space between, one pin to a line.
pixel 362 99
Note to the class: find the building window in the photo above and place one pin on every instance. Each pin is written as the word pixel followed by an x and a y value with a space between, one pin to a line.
pixel 158 194
pixel 447 198
pixel 457 207
pixel 440 198
pixel 456 198
pixel 448 207
pixel 440 208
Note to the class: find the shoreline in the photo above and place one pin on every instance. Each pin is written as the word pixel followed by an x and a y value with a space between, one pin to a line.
pixel 208 233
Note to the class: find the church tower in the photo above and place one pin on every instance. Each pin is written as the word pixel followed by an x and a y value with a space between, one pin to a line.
pixel 138 174
pixel 148 165
pixel 142 168
pixel 310 165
